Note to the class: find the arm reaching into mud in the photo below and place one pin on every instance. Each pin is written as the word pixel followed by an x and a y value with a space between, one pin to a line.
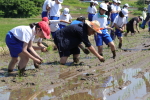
pixel 92 49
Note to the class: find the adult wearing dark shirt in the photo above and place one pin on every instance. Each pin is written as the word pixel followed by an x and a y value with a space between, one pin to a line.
pixel 108 12
pixel 133 24
pixel 68 39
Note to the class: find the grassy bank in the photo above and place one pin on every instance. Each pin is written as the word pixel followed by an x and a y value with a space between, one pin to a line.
pixel 9 23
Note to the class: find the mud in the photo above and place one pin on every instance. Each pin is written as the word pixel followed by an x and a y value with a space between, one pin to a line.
pixel 127 77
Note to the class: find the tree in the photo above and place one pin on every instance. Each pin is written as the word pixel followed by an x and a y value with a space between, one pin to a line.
pixel 20 8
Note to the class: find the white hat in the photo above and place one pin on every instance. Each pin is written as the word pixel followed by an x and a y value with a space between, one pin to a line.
pixel 145 8
pixel 126 5
pixel 96 2
pixel 125 12
pixel 119 2
pixel 103 6
pixel 60 1
pixel 141 18
pixel 91 1
pixel 115 1
pixel 66 11
pixel 94 25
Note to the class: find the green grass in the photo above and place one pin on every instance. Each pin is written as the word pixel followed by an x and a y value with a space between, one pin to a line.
pixel 9 23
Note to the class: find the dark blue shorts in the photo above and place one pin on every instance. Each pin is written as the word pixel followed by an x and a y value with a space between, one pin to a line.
pixel 61 26
pixel 53 18
pixel 90 17
pixel 108 22
pixel 118 33
pixel 113 16
pixel 105 36
pixel 67 53
pixel 44 14
pixel 149 26
pixel 53 33
pixel 15 46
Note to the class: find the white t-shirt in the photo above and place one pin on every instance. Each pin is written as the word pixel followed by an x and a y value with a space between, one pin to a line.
pixel 119 21
pixel 54 25
pixel 55 9
pixel 118 8
pixel 23 33
pixel 65 18
pixel 144 15
pixel 101 20
pixel 37 39
pixel 45 4
pixel 92 10
pixel 113 7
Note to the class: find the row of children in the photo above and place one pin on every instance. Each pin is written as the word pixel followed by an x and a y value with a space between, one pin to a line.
pixel 119 21
pixel 19 39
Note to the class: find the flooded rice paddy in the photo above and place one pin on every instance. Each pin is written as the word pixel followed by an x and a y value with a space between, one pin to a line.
pixel 127 77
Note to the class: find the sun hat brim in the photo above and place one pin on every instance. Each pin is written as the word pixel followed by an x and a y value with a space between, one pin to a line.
pixel 90 25
pixel 45 35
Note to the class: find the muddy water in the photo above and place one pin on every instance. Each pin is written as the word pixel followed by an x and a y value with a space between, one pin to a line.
pixel 129 84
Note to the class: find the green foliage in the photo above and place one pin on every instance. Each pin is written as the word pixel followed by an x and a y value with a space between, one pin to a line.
pixel 19 8
pixel 140 4
pixel 137 12
pixel 76 3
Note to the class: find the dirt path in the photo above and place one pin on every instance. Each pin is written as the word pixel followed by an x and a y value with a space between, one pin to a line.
pixel 125 78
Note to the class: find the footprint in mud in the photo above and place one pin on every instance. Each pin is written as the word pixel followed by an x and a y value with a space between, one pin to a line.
pixel 30 84
pixel 88 74
pixel 144 44
pixel 147 46
pixel 80 70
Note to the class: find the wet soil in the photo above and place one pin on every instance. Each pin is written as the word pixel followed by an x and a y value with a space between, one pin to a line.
pixel 127 77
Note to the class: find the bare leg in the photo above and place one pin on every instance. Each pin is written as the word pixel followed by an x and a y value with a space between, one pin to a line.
pixel 23 61
pixel 100 50
pixel 120 42
pixel 112 47
pixel 63 60
pixel 76 58
pixel 12 64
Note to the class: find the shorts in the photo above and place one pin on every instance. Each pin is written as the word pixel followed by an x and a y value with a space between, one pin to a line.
pixel 54 33
pixel 108 22
pixel 90 17
pixel 129 28
pixel 105 36
pixel 113 16
pixel 67 53
pixel 15 46
pixel 149 26
pixel 53 18
pixel 61 26
pixel 44 14
pixel 118 33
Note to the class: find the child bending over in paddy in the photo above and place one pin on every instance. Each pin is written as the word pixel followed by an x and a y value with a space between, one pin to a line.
pixel 19 41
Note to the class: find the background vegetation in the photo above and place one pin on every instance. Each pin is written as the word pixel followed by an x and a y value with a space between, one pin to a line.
pixel 23 12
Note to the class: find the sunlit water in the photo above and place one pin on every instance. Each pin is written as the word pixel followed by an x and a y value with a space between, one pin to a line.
pixel 136 89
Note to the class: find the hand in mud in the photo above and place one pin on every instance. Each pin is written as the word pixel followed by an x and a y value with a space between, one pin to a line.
pixel 86 51
pixel 102 59
pixel 38 61
pixel 44 49
pixel 41 59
